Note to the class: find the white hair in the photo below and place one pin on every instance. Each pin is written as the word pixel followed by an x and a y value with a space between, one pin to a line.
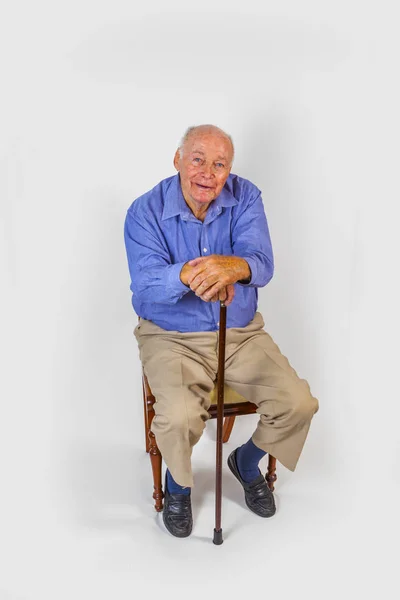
pixel 212 128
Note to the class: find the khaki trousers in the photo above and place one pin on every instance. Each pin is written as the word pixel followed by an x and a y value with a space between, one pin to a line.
pixel 181 369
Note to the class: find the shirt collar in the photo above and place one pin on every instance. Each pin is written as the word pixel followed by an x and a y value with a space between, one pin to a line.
pixel 175 202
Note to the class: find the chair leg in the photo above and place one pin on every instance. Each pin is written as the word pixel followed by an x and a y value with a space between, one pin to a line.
pixel 151 445
pixel 227 428
pixel 156 460
pixel 271 477
pixel 146 421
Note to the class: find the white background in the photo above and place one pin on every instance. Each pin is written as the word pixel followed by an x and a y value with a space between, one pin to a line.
pixel 95 96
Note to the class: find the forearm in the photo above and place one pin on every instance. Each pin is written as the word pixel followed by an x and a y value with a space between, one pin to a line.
pixel 261 270
pixel 246 277
pixel 251 240
pixel 153 277
pixel 159 284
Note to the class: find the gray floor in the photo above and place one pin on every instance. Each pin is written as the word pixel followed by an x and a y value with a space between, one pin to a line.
pixel 99 536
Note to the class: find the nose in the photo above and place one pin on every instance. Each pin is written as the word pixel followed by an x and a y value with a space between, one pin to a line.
pixel 206 170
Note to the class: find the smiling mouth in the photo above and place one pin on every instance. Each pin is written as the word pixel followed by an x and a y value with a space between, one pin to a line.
pixel 203 187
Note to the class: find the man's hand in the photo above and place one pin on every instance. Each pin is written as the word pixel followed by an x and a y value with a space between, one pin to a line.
pixel 211 274
pixel 225 294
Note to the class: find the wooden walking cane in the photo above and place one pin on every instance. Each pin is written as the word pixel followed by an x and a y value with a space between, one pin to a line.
pixel 220 419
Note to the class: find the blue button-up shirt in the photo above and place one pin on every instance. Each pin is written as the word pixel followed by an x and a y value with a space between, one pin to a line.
pixel 162 234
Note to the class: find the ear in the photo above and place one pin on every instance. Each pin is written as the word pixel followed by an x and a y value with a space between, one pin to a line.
pixel 177 159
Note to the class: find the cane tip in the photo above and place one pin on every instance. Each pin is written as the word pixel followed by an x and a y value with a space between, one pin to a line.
pixel 218 537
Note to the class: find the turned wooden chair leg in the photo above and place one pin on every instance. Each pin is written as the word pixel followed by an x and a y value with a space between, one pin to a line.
pixel 271 477
pixel 146 421
pixel 151 446
pixel 156 460
pixel 227 429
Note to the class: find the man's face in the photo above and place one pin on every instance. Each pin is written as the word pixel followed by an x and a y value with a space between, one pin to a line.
pixel 204 167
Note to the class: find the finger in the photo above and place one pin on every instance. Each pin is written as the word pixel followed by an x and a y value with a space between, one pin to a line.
pixel 203 282
pixel 197 271
pixel 230 294
pixel 198 260
pixel 207 298
pixel 209 270
pixel 213 290
pixel 204 263
pixel 196 282
pixel 204 289
pixel 210 274
pixel 222 294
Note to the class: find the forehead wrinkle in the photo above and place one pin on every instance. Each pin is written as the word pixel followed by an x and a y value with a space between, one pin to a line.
pixel 218 157
pixel 199 139
pixel 199 151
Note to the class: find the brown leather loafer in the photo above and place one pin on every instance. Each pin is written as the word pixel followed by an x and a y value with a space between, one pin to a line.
pixel 257 494
pixel 177 513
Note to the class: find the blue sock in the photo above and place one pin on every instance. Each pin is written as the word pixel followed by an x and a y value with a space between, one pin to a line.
pixel 247 457
pixel 175 488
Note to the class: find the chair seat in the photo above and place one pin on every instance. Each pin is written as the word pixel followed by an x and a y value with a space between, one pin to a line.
pixel 230 396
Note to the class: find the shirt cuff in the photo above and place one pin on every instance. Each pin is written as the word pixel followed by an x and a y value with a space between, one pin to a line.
pixel 253 268
pixel 175 286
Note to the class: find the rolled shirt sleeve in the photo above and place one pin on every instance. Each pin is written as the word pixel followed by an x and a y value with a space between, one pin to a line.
pixel 153 277
pixel 251 240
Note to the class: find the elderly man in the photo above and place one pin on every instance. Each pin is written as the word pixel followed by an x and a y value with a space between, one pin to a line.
pixel 198 237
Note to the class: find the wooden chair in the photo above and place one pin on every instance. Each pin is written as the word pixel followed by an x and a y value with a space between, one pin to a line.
pixel 234 406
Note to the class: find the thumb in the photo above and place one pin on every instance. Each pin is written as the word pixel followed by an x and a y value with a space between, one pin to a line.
pixel 196 261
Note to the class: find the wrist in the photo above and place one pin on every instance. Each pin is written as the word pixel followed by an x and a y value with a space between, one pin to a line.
pixel 245 275
pixel 184 274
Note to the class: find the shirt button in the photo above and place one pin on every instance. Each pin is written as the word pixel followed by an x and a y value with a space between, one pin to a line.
pixel 204 249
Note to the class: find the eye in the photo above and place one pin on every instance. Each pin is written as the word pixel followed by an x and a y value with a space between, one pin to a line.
pixel 197 159
pixel 220 165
